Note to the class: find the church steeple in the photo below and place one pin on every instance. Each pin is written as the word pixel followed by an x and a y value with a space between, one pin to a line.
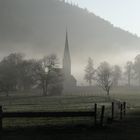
pixel 66 58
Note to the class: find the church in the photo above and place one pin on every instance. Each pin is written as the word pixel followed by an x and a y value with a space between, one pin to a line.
pixel 67 84
pixel 69 81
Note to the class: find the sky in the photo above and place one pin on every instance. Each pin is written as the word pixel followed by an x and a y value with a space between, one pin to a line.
pixel 121 13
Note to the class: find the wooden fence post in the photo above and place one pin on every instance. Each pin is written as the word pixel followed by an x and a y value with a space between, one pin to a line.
pixel 121 111
pixel 0 118
pixel 124 108
pixel 95 117
pixel 102 115
pixel 112 111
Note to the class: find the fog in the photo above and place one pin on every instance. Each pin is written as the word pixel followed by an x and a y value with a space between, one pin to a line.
pixel 37 28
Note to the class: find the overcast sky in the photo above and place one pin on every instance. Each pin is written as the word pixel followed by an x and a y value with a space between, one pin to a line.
pixel 122 13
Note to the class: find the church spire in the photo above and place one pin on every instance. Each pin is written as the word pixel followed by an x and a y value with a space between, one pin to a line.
pixel 66 58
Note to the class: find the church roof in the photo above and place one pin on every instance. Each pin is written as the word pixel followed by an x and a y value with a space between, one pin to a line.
pixel 66 51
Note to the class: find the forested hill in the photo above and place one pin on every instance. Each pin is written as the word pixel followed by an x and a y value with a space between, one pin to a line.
pixel 37 27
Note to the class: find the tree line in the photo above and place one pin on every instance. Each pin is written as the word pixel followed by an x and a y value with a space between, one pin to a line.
pixel 107 76
pixel 20 74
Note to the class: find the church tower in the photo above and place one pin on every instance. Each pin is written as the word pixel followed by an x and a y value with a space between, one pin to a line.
pixel 69 83
pixel 66 58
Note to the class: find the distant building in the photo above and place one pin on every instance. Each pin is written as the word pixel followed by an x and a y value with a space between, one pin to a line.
pixel 69 83
pixel 65 83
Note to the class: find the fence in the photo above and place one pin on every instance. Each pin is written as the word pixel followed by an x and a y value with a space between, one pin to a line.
pixel 118 107
pixel 65 114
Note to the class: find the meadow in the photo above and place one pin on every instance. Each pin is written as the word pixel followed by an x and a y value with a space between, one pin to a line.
pixel 18 102
pixel 21 103
pixel 70 128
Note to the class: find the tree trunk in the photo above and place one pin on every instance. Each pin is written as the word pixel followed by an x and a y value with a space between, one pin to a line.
pixel 90 82
pixel 46 87
pixel 43 88
pixel 129 81
pixel 108 92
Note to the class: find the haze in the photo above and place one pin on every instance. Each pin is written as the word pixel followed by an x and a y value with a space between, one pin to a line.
pixel 38 28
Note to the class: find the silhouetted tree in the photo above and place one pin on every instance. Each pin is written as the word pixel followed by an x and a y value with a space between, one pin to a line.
pixel 55 86
pixel 26 77
pixel 40 75
pixel 9 72
pixel 49 63
pixel 19 74
pixel 104 77
pixel 89 72
pixel 46 73
pixel 129 72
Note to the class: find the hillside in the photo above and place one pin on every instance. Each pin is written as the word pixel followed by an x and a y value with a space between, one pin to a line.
pixel 38 28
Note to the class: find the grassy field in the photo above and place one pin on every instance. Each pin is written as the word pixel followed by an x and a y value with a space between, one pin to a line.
pixel 57 103
pixel 35 102
pixel 41 103
pixel 36 128
pixel 130 95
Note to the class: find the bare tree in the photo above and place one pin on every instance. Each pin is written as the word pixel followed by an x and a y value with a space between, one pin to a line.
pixel 45 71
pixel 50 62
pixel 89 72
pixel 104 77
pixel 40 75
pixel 129 72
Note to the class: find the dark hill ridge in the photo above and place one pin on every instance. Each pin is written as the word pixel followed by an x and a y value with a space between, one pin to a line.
pixel 37 27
